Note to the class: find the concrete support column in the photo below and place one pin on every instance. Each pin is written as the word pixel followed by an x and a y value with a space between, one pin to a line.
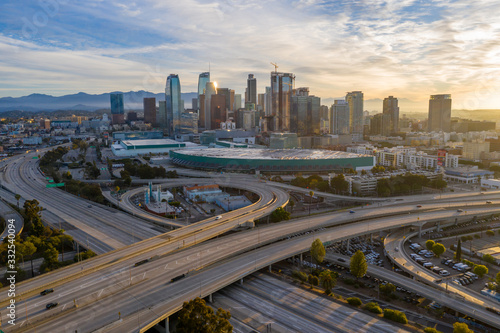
pixel 270 269
pixel 348 244
pixel 371 238
pixel 210 298
pixel 241 281
pixel 301 259
pixel 167 324
pixel 438 226
pixel 420 230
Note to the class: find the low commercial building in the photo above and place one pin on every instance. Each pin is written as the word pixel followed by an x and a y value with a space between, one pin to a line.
pixel 232 203
pixel 137 135
pixel 467 175
pixel 490 183
pixel 367 184
pixel 143 147
pixel 206 193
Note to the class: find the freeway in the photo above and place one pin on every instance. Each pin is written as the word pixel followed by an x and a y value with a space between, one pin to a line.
pixel 452 295
pixel 9 213
pixel 143 292
pixel 294 309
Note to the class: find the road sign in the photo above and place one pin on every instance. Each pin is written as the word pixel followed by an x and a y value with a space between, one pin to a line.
pixel 54 185
pixel 35 157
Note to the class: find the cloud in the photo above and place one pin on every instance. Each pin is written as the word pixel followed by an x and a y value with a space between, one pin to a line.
pixel 403 48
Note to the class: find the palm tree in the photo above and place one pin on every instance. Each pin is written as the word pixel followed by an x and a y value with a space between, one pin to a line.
pixel 311 193
pixel 17 196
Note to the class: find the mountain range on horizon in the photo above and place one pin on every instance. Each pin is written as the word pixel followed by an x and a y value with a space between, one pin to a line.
pixel 133 100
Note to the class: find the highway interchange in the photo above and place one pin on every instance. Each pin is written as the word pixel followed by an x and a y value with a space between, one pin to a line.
pixel 108 284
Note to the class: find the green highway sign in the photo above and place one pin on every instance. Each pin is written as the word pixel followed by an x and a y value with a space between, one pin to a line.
pixel 51 181
pixel 54 185
pixel 35 157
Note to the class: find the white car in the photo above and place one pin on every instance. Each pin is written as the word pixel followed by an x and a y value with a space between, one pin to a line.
pixel 218 217
pixel 444 273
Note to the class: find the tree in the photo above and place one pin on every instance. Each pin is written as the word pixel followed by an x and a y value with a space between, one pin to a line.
pixel 28 250
pixel 497 278
pixel 291 203
pixel 318 251
pixel 17 196
pixel 328 280
pixel 481 270
pixel 313 280
pixel 279 215
pixel 358 265
pixel 459 250
pixel 431 330
pixel 339 184
pixel 461 328
pixel 196 316
pixel 50 258
pixel 438 249
pixel 429 244
pixel 490 232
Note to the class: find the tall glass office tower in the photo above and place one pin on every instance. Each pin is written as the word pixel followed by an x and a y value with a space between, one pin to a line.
pixel 174 104
pixel 202 82
pixel 281 92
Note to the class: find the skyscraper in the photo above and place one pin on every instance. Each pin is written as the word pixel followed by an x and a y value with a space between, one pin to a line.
pixel 281 93
pixel 439 113
pixel 217 110
pixel 391 113
pixel 251 95
pixel 355 101
pixel 339 117
pixel 202 83
pixel 117 109
pixel 161 120
pixel 150 110
pixel 174 104
pixel 237 102
pixel 304 113
pixel 210 90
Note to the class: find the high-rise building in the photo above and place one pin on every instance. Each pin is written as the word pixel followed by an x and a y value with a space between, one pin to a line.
pixel 217 110
pixel 439 113
pixel 355 101
pixel 391 113
pixel 339 117
pixel 237 102
pixel 131 116
pixel 194 104
pixel 150 110
pixel 161 120
pixel 251 95
pixel 261 103
pixel 189 123
pixel 281 93
pixel 174 104
pixel 202 83
pixel 201 111
pixel 210 90
pixel 305 113
pixel 117 109
pixel 229 93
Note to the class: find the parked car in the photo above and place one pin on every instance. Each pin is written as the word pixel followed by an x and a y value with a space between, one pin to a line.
pixel 444 272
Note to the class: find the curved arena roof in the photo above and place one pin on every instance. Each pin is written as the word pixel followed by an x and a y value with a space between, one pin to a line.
pixel 269 160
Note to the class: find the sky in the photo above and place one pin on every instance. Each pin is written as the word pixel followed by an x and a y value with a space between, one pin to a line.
pixel 406 48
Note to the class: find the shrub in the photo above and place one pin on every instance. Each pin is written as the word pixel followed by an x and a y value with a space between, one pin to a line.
pixel 431 330
pixel 300 276
pixel 396 316
pixel 354 301
pixel 490 232
pixel 373 307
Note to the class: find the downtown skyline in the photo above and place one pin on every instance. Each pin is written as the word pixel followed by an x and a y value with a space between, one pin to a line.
pixel 409 49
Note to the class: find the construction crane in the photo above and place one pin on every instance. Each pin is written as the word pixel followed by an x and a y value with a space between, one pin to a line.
pixel 275 67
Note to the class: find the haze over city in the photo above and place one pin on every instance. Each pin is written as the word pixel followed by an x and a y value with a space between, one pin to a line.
pixel 409 49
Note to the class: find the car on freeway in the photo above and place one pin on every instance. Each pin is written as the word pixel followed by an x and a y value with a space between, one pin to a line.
pixel 218 217
pixel 341 259
pixel 47 291
pixel 489 202
pixel 352 212
pixel 51 305
pixel 89 206
pixel 459 210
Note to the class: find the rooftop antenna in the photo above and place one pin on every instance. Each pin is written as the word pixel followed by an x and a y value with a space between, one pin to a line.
pixel 275 67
